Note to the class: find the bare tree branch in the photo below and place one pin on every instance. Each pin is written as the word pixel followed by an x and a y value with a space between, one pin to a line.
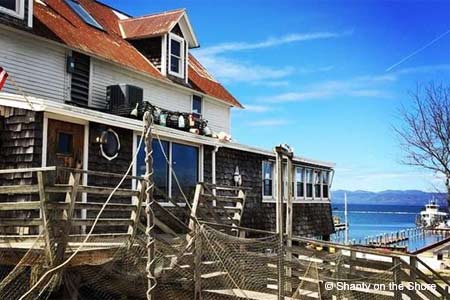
pixel 425 135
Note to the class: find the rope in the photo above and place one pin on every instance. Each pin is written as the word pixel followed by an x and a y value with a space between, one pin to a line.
pixel 91 230
pixel 21 91
pixel 151 258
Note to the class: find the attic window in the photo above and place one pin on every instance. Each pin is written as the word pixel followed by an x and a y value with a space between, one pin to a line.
pixel 14 8
pixel 83 14
pixel 176 56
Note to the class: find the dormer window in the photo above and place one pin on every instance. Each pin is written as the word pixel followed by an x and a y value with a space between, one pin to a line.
pixel 176 55
pixel 14 8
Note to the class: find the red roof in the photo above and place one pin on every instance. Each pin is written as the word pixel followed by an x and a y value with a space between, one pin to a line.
pixel 57 21
pixel 150 25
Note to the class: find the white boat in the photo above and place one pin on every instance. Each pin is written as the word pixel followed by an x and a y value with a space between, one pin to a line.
pixel 432 215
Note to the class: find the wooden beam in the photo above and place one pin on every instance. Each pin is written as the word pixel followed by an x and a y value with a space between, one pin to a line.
pixel 26 205
pixel 27 170
pixel 19 189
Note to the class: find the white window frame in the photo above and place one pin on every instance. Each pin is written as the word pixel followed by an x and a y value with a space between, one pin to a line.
pixel 18 13
pixel 170 180
pixel 182 58
pixel 296 197
pixel 201 104
pixel 274 185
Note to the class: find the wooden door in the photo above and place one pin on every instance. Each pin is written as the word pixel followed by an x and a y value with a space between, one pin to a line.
pixel 64 147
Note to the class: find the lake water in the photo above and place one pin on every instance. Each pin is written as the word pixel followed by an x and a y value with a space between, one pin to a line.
pixel 372 220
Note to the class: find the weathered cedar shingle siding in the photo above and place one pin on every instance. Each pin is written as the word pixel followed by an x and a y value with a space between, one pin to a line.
pixel 310 219
pixel 20 144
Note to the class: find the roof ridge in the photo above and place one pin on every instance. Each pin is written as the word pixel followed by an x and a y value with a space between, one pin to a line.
pixel 167 12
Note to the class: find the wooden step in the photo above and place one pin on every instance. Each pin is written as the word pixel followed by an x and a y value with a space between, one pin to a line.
pixel 227 199
pixel 213 274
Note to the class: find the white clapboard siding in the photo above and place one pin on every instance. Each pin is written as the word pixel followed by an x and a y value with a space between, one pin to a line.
pixel 218 115
pixel 37 67
pixel 164 96
pixel 105 74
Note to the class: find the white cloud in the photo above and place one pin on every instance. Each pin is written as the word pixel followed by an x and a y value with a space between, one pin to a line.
pixel 233 70
pixel 368 86
pixel 229 70
pixel 269 122
pixel 256 108
pixel 270 42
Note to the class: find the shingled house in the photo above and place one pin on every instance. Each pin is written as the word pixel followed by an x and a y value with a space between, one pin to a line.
pixel 77 70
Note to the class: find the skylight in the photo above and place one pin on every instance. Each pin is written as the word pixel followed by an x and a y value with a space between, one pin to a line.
pixel 82 13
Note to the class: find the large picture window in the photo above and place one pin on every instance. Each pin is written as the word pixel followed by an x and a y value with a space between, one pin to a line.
pixel 267 179
pixel 185 163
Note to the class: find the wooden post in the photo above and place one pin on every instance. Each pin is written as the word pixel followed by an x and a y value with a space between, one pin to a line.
pixel 45 228
pixel 198 264
pixel 71 197
pixel 396 279
pixel 289 229
pixel 280 231
pixel 151 279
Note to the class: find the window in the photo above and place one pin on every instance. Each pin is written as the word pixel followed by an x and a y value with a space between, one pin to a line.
pixel 176 56
pixel 317 180
pixel 79 89
pixel 83 14
pixel 197 105
pixel 185 163
pixel 65 143
pixel 14 8
pixel 325 184
pixel 299 182
pixel 309 183
pixel 267 178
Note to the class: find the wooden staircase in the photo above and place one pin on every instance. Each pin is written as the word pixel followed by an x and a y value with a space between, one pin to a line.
pixel 218 204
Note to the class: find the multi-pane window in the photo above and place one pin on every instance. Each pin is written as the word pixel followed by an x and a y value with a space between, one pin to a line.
pixel 197 105
pixel 176 56
pixel 317 179
pixel 325 184
pixel 309 182
pixel 185 163
pixel 299 182
pixel 267 178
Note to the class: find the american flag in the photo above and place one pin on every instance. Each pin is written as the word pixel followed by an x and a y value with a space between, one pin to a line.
pixel 3 77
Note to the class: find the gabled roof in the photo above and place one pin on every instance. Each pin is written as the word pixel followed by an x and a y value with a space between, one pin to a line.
pixel 150 25
pixel 55 20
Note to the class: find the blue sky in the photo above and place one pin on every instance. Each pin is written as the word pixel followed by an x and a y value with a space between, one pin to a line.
pixel 327 77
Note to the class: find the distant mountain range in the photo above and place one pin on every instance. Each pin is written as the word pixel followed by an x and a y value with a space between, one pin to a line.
pixel 389 197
